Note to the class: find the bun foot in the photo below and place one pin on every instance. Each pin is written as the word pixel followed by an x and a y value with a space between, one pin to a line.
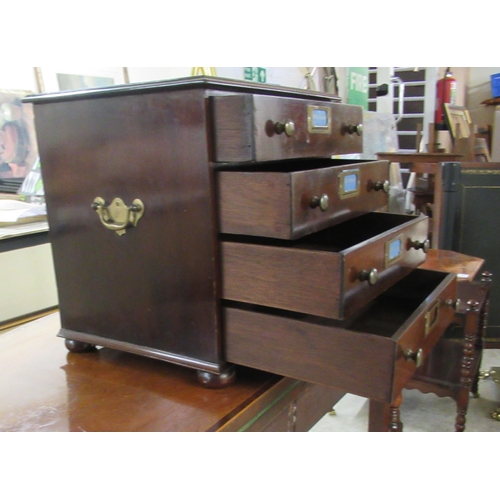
pixel 216 381
pixel 77 346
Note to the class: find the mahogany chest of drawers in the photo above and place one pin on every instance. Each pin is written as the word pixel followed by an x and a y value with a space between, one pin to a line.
pixel 203 221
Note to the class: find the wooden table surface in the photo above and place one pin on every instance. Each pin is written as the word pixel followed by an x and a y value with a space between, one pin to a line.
pixel 46 388
pixel 465 266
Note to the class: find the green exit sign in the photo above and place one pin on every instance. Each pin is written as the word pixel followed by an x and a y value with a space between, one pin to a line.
pixel 255 74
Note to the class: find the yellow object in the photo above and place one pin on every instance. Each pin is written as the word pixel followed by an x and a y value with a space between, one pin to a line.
pixel 203 71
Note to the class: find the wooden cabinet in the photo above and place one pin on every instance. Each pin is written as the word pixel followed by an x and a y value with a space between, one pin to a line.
pixel 203 222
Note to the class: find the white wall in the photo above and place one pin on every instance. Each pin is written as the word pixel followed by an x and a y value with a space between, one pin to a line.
pixel 23 78
pixel 18 78
pixel 478 90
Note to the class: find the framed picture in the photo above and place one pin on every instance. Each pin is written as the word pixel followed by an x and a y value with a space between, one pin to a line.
pixel 55 79
pixel 18 146
pixel 459 121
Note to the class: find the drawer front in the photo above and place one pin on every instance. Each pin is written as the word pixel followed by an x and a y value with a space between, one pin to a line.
pixel 309 276
pixel 375 265
pixel 299 200
pixel 368 357
pixel 255 128
pixel 352 362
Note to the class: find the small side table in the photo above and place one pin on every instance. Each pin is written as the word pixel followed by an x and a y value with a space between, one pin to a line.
pixel 452 368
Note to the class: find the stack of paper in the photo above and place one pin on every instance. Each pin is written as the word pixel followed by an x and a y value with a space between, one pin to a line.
pixel 14 212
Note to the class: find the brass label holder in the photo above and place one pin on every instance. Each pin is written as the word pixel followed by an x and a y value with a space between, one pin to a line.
pixel 319 119
pixel 393 250
pixel 349 183
pixel 117 216
pixel 431 317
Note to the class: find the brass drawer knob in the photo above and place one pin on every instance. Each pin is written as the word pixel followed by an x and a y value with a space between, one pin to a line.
pixel 288 127
pixel 319 201
pixel 370 275
pixel 355 129
pixel 382 186
pixel 453 304
pixel 417 356
pixel 421 245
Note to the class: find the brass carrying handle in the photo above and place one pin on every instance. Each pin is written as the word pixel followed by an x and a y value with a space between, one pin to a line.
pixel 117 216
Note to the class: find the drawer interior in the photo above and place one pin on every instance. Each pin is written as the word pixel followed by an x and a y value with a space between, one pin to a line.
pixel 339 237
pixel 362 355
pixel 385 314
pixel 293 165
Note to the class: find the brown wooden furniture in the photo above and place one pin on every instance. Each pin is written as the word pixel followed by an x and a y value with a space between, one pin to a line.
pixel 431 165
pixel 50 390
pixel 202 221
pixel 452 368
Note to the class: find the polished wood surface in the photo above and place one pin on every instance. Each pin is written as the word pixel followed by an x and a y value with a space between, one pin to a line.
pixel 465 266
pixel 278 202
pixel 365 355
pixel 419 157
pixel 321 274
pixel 245 129
pixel 152 289
pixel 48 389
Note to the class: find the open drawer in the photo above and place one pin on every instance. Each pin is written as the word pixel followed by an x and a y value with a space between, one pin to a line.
pixel 292 199
pixel 331 273
pixel 372 355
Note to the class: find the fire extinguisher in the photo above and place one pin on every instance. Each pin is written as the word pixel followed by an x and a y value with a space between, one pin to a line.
pixel 446 92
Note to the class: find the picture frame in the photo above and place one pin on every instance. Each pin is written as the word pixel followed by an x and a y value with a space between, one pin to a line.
pixel 458 120
pixel 60 78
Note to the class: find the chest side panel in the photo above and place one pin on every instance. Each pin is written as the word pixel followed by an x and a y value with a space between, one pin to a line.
pixel 155 284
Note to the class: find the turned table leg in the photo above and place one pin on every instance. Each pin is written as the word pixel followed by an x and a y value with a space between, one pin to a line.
pixel 466 374
pixel 385 417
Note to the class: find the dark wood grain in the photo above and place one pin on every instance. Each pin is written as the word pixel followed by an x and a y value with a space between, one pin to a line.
pixel 319 274
pixel 276 201
pixel 51 390
pixel 364 355
pixel 333 357
pixel 296 280
pixel 255 133
pixel 154 286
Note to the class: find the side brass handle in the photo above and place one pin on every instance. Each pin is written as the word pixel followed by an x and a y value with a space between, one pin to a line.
pixel 288 127
pixel 421 245
pixel 370 275
pixel 319 201
pixel 417 356
pixel 355 129
pixel 382 186
pixel 117 216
